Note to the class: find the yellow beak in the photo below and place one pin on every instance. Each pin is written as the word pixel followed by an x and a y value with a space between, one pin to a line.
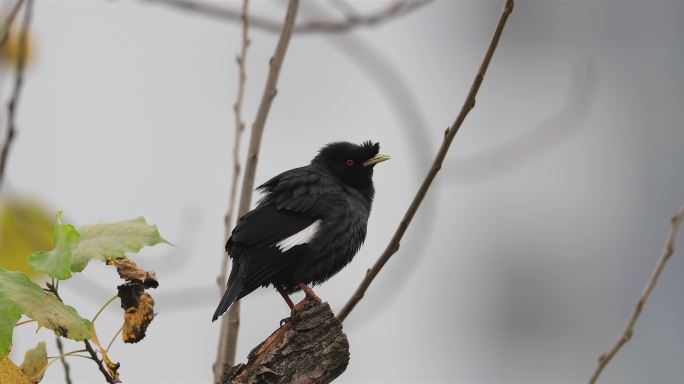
pixel 379 158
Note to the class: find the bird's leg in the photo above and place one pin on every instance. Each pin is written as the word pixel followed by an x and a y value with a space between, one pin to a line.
pixel 285 296
pixel 289 304
pixel 309 292
pixel 310 295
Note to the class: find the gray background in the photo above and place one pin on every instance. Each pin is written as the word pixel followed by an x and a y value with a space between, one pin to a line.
pixel 529 252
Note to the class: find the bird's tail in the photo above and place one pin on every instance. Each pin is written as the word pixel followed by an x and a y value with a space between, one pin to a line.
pixel 235 285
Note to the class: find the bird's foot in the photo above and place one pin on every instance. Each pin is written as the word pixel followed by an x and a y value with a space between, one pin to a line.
pixel 309 293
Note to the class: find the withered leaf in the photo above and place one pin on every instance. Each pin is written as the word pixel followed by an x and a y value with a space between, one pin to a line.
pixel 129 271
pixel 11 374
pixel 138 305
pixel 112 368
pixel 136 319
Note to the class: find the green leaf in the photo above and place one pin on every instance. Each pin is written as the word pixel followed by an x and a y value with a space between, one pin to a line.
pixel 35 363
pixel 112 240
pixel 57 263
pixel 44 307
pixel 9 314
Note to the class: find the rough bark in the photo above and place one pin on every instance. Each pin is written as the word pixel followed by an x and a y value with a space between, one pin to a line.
pixel 310 348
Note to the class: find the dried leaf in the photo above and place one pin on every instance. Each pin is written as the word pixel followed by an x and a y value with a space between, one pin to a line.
pixel 11 374
pixel 35 363
pixel 137 319
pixel 129 271
pixel 138 306
pixel 112 368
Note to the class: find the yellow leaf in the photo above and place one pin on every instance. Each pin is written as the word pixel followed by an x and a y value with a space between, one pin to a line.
pixel 11 374
pixel 25 228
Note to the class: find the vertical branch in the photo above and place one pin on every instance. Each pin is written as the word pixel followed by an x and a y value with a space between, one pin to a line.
pixel 628 332
pixel 230 327
pixel 449 134
pixel 60 348
pixel 18 83
pixel 230 322
pixel 9 20
pixel 239 128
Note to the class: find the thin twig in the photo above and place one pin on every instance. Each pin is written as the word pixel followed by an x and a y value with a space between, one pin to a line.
pixel 394 9
pixel 231 322
pixel 16 92
pixel 628 332
pixel 24 322
pixel 65 365
pixel 9 20
pixel 99 363
pixel 229 328
pixel 449 134
pixel 111 342
pixel 103 308
pixel 237 138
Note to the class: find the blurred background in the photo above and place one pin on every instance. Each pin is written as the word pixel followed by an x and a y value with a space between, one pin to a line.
pixel 521 266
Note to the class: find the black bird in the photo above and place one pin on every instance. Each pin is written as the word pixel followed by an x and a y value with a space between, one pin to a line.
pixel 309 224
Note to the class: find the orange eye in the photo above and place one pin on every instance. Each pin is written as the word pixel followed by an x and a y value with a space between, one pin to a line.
pixel 350 162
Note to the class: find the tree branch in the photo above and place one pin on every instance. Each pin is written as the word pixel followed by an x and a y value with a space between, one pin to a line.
pixel 229 328
pixel 394 9
pixel 9 20
pixel 239 128
pixel 65 365
pixel 230 323
pixel 97 360
pixel 18 82
pixel 309 348
pixel 628 332
pixel 449 134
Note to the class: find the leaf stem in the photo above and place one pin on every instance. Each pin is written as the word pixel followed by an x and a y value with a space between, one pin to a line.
pixel 24 322
pixel 114 338
pixel 103 307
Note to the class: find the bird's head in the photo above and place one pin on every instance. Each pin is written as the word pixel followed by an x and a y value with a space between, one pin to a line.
pixel 352 163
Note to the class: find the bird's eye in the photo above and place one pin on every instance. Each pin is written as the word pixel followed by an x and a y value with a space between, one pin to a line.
pixel 350 162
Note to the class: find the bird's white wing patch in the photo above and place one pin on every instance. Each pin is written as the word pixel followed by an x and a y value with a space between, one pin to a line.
pixel 301 237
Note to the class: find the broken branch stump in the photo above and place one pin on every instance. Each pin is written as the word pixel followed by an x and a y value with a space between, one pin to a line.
pixel 309 349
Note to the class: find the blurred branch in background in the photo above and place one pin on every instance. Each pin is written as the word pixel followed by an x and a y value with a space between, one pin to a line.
pixel 628 332
pixel 9 20
pixel 13 104
pixel 449 135
pixel 539 139
pixel 231 321
pixel 227 343
pixel 352 20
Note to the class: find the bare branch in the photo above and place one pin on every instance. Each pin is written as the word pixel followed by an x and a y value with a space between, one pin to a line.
pixel 60 348
pixel 628 332
pixel 449 134
pixel 394 9
pixel 9 20
pixel 230 327
pixel 18 83
pixel 239 128
pixel 100 364
pixel 230 322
